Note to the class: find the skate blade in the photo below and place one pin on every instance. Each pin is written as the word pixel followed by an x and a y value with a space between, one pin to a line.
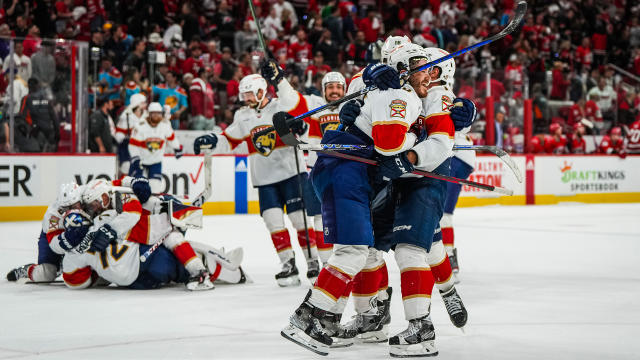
pixel 423 349
pixel 341 343
pixel 298 336
pixel 200 286
pixel 374 337
pixel 290 281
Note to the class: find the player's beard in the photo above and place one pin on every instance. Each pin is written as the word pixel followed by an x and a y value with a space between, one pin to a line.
pixel 421 87
pixel 333 96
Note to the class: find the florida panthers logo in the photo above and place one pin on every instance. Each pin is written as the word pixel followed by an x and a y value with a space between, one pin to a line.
pixel 329 122
pixel 264 144
pixel 154 144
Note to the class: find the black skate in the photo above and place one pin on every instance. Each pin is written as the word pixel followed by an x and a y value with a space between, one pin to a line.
pixel 455 268
pixel 384 307
pixel 18 273
pixel 289 274
pixel 368 327
pixel 313 270
pixel 308 328
pixel 416 341
pixel 201 281
pixel 455 307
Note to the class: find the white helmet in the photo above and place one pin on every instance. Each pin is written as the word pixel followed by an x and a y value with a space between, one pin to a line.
pixel 69 194
pixel 137 100
pixel 155 107
pixel 401 57
pixel 333 77
pixel 448 67
pixel 391 43
pixel 94 190
pixel 253 83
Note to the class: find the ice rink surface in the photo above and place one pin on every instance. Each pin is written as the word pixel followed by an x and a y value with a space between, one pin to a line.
pixel 540 282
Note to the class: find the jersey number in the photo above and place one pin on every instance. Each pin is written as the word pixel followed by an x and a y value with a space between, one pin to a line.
pixel 116 254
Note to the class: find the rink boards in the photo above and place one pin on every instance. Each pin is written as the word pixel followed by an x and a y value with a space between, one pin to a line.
pixel 28 183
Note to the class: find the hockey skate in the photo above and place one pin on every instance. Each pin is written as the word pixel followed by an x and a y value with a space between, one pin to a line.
pixel 289 274
pixel 416 341
pixel 313 270
pixel 307 328
pixel 453 260
pixel 455 307
pixel 19 273
pixel 200 282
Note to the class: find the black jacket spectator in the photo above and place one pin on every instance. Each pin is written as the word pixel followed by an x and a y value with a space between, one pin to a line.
pixel 38 112
pixel 100 139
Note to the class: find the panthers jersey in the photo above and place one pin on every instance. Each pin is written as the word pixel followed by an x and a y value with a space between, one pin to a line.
pixel 356 83
pixel 126 122
pixel 271 160
pixel 52 223
pixel 327 119
pixel 467 156
pixel 149 142
pixel 436 121
pixel 386 117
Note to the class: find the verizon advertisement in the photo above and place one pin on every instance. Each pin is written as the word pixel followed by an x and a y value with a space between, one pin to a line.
pixel 491 170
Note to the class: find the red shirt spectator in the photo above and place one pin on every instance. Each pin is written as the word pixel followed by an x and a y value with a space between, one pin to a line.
pixel 555 142
pixel 301 49
pixel 584 110
pixel 318 65
pixel 279 47
pixel 513 72
pixel 497 89
pixel 370 26
pixel 584 55
pixel 633 138
pixel 537 145
pixel 578 145
pixel 559 82
pixel 201 97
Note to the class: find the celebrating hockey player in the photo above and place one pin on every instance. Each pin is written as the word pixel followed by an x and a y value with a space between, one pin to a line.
pixel 273 166
pixel 130 117
pixel 147 146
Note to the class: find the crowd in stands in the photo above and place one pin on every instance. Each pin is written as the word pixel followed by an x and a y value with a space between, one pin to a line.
pixel 190 55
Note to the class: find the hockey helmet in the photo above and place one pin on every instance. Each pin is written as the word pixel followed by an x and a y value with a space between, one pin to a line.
pixel 253 83
pixel 447 67
pixel 154 107
pixel 137 100
pixel 391 43
pixel 93 198
pixel 69 194
pixel 403 56
pixel 333 77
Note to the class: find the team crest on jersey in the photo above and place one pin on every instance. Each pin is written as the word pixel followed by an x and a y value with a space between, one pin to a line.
pixel 264 144
pixel 398 109
pixel 329 122
pixel 447 104
pixel 53 222
pixel 154 144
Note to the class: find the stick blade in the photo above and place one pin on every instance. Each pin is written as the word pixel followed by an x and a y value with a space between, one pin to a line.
pixel 504 156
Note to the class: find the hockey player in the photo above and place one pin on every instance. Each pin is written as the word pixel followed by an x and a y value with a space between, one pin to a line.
pixel 613 143
pixel 118 262
pixel 633 138
pixel 147 146
pixel 345 191
pixel 273 166
pixel 131 116
pixel 138 224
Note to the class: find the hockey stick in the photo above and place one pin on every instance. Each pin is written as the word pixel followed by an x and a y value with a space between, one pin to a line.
pixel 429 174
pixel 591 127
pixel 503 155
pixel 295 148
pixel 519 12
pixel 206 193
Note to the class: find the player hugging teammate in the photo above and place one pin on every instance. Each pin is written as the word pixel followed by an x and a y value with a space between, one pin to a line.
pixel 120 233
pixel 405 127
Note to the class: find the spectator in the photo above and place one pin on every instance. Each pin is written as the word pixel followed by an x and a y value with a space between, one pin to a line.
pixel 110 80
pixel 577 143
pixel 604 96
pixel 225 24
pixel 174 96
pixel 245 40
pixel 21 29
pixel 132 85
pixel 555 142
pixel 37 111
pixel 32 40
pixel 224 70
pixel 246 65
pixel 514 73
pixel 499 123
pixel 193 64
pixel 21 62
pixel 20 90
pixel 318 66
pixel 300 51
pixel 233 87
pixel 612 143
pixel 584 55
pixel 42 66
pixel 371 26
pixel 136 58
pixel 101 128
pixel 357 51
pixel 272 25
pixel 282 5
pixel 328 48
pixel 202 105
pixel 560 82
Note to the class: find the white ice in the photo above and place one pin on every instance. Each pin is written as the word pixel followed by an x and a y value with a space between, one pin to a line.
pixel 541 282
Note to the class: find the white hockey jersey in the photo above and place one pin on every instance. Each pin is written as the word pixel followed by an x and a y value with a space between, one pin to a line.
pixel 467 156
pixel 386 117
pixel 126 122
pixel 271 160
pixel 118 264
pixel 356 83
pixel 327 119
pixel 149 142
pixel 436 120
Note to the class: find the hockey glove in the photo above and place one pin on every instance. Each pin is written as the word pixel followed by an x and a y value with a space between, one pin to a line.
pixel 102 237
pixel 135 169
pixel 205 142
pixel 463 116
pixel 392 167
pixel 271 72
pixel 382 76
pixel 178 152
pixel 76 227
pixel 349 113
pixel 282 120
pixel 141 189
pixel 417 128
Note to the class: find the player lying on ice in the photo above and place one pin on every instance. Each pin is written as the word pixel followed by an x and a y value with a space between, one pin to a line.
pixel 389 122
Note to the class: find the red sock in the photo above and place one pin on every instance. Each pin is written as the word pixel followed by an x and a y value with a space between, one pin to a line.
pixel 320 241
pixel 442 271
pixel 447 236
pixel 184 252
pixel 332 282
pixel 416 283
pixel 384 278
pixel 302 238
pixel 281 240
